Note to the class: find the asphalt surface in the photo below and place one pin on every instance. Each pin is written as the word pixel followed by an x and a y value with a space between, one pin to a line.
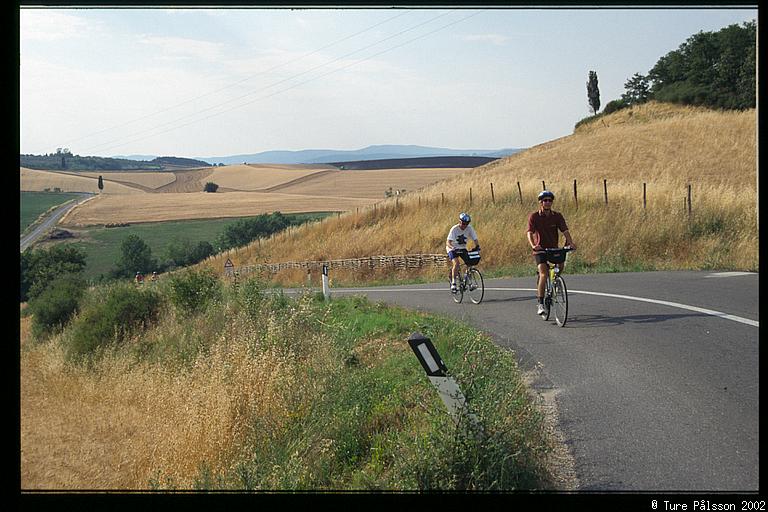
pixel 50 221
pixel 656 374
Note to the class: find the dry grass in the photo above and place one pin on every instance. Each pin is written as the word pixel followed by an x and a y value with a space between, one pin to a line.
pixel 124 425
pixel 666 147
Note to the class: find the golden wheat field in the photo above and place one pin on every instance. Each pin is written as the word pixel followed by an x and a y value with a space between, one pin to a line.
pixel 32 180
pixel 663 148
pixel 244 190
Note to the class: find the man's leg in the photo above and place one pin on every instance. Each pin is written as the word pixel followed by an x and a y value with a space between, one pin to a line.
pixel 543 269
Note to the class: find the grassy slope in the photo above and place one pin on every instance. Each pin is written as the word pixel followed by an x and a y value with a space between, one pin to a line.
pixel 34 204
pixel 667 147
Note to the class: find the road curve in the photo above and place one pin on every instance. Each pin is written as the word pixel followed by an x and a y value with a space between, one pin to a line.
pixel 50 220
pixel 656 374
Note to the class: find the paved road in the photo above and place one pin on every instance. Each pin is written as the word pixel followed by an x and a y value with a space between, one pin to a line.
pixel 656 373
pixel 50 221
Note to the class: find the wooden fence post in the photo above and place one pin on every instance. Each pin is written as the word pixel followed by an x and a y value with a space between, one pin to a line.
pixel 543 185
pixel 470 196
pixel 442 198
pixel 644 198
pixel 605 190
pixel 689 199
pixel 493 199
pixel 575 195
pixel 520 192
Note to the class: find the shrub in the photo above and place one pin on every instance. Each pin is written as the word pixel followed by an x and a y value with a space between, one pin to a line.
pixel 39 267
pixel 191 291
pixel 124 311
pixel 210 187
pixel 56 304
pixel 250 298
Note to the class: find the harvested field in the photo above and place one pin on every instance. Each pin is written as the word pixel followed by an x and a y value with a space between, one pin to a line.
pixel 261 177
pixel 201 205
pixel 151 180
pixel 369 184
pixel 244 190
pixel 37 181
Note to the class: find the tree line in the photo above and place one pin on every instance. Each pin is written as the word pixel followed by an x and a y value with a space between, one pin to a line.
pixel 42 267
pixel 710 69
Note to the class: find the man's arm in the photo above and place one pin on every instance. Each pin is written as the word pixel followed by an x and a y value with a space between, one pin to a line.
pixel 568 239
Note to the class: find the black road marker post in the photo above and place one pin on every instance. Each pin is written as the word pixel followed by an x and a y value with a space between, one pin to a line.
pixel 446 385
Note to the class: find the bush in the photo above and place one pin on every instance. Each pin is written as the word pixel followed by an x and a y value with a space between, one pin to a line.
pixel 613 106
pixel 56 304
pixel 39 267
pixel 192 291
pixel 210 187
pixel 124 311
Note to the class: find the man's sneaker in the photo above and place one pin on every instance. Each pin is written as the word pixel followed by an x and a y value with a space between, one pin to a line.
pixel 540 310
pixel 453 288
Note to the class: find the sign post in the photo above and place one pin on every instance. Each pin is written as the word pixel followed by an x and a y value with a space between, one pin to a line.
pixel 326 288
pixel 446 386
pixel 229 268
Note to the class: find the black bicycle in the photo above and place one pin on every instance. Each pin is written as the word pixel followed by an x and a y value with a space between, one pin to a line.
pixel 471 281
pixel 556 293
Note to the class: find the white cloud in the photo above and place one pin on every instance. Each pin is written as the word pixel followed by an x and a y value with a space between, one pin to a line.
pixel 180 47
pixel 52 25
pixel 496 39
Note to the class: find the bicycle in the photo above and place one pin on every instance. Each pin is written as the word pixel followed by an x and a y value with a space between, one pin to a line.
pixel 471 281
pixel 556 293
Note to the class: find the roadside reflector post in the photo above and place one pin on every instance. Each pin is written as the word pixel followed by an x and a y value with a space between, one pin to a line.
pixel 326 287
pixel 446 385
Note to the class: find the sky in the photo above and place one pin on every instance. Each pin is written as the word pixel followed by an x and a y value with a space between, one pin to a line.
pixel 226 81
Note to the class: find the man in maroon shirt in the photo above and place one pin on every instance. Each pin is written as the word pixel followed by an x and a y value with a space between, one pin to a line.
pixel 543 226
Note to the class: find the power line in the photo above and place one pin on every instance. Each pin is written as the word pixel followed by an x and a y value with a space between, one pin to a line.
pixel 122 142
pixel 116 144
pixel 185 102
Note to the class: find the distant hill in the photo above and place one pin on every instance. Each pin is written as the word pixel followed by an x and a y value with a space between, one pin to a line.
pixel 415 163
pixel 69 162
pixel 379 152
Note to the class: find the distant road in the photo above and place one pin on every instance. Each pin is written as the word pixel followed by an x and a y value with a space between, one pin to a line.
pixel 50 221
pixel 656 374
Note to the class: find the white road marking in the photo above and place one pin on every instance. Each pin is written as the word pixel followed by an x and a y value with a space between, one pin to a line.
pixel 729 274
pixel 712 312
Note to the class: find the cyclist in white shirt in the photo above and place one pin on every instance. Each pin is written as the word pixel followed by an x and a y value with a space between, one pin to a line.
pixel 456 245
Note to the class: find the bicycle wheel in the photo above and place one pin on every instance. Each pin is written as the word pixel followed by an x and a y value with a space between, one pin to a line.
pixel 560 301
pixel 459 295
pixel 475 285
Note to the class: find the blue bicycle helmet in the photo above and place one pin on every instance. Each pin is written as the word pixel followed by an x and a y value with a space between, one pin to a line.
pixel 546 193
pixel 464 217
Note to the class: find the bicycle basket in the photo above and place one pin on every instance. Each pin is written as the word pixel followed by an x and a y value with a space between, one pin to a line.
pixel 472 258
pixel 557 256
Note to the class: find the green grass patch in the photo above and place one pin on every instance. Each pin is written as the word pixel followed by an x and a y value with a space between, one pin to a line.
pixel 102 245
pixel 34 204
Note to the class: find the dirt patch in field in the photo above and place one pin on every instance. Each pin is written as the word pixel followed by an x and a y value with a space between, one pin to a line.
pixel 187 181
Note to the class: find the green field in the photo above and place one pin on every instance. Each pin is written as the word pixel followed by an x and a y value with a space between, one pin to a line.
pixel 34 204
pixel 102 245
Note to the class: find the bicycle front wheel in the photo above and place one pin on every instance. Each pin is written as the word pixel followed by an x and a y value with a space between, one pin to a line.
pixel 458 295
pixel 475 285
pixel 560 301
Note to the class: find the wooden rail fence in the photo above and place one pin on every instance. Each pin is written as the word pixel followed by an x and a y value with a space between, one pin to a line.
pixel 398 262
